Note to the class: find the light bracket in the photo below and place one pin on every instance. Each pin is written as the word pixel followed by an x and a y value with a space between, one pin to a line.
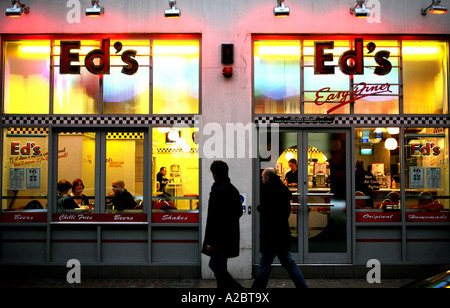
pixel 281 10
pixel 360 10
pixel 173 12
pixel 95 10
pixel 435 8
pixel 17 10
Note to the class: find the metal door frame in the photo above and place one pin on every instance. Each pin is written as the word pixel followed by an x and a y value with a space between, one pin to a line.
pixel 303 256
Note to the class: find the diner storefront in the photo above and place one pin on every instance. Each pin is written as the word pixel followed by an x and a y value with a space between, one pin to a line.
pixel 148 107
pixel 395 207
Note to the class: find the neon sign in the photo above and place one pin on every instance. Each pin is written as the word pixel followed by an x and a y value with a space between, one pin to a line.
pixel 97 60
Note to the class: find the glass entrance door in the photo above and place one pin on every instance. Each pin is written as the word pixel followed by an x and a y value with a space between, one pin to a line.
pixel 315 166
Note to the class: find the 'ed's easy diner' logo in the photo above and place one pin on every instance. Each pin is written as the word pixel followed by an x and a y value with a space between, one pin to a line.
pixel 97 60
pixel 351 62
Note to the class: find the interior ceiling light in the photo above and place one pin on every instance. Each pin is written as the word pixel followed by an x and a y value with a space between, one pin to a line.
pixel 17 10
pixel 360 10
pixel 435 8
pixel 95 10
pixel 280 10
pixel 391 144
pixel 173 12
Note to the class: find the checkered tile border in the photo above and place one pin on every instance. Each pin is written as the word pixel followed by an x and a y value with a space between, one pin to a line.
pixel 97 120
pixel 373 120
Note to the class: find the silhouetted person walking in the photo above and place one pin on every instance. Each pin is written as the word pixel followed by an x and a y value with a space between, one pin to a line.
pixel 275 233
pixel 222 225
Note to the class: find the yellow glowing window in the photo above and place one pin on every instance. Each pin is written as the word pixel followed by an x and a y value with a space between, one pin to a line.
pixel 176 76
pixel 277 76
pixel 425 77
pixel 27 72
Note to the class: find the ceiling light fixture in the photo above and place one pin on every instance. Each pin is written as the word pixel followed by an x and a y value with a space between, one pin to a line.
pixel 280 10
pixel 435 8
pixel 173 12
pixel 96 10
pixel 360 10
pixel 17 10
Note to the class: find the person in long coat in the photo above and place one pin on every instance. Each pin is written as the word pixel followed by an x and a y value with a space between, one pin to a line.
pixel 275 233
pixel 222 233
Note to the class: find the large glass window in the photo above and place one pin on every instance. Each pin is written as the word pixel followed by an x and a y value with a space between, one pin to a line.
pixel 175 175
pixel 79 93
pixel 176 77
pixel 76 171
pixel 124 171
pixel 335 83
pixel 288 78
pixel 377 174
pixel 26 77
pixel 277 76
pixel 426 173
pixel 385 102
pixel 124 93
pixel 425 77
pixel 25 169
pixel 34 83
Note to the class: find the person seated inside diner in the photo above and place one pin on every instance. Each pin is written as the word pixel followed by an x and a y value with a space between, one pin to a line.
pixel 161 178
pixel 121 198
pixel 76 199
pixel 291 178
pixel 63 188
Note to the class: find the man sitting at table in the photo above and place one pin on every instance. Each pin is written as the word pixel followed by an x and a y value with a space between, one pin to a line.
pixel 122 199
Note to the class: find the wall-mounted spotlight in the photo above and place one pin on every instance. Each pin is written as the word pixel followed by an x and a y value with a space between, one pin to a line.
pixel 95 10
pixel 435 8
pixel 281 10
pixel 173 12
pixel 360 10
pixel 17 10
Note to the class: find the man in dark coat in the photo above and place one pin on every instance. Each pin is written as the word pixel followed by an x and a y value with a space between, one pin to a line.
pixel 275 233
pixel 222 225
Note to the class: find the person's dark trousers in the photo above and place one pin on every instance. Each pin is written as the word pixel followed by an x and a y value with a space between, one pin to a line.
pixel 265 268
pixel 218 265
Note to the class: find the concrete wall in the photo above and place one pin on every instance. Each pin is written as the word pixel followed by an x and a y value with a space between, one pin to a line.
pixel 226 21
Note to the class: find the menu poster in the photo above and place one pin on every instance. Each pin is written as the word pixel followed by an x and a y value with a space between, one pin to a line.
pixel 416 177
pixel 33 178
pixel 16 178
pixel 433 177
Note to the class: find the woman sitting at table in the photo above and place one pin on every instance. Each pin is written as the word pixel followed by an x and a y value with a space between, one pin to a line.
pixel 77 199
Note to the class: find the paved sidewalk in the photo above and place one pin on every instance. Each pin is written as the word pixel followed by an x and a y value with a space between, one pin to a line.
pixel 198 283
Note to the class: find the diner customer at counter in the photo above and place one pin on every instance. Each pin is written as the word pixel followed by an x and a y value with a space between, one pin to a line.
pixel 63 188
pixel 76 199
pixel 161 178
pixel 121 198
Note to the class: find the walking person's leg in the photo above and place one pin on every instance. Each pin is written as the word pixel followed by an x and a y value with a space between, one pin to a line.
pixel 218 265
pixel 264 270
pixel 291 267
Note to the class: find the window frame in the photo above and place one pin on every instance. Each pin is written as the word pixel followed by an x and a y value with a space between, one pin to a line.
pixel 113 38
pixel 350 38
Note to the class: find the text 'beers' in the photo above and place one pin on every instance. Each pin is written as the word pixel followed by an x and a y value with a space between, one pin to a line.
pixel 97 60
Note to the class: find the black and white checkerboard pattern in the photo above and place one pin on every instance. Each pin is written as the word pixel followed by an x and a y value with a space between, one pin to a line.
pixel 432 120
pixel 124 121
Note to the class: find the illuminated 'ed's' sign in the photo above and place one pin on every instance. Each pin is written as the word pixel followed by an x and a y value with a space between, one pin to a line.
pixel 97 60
